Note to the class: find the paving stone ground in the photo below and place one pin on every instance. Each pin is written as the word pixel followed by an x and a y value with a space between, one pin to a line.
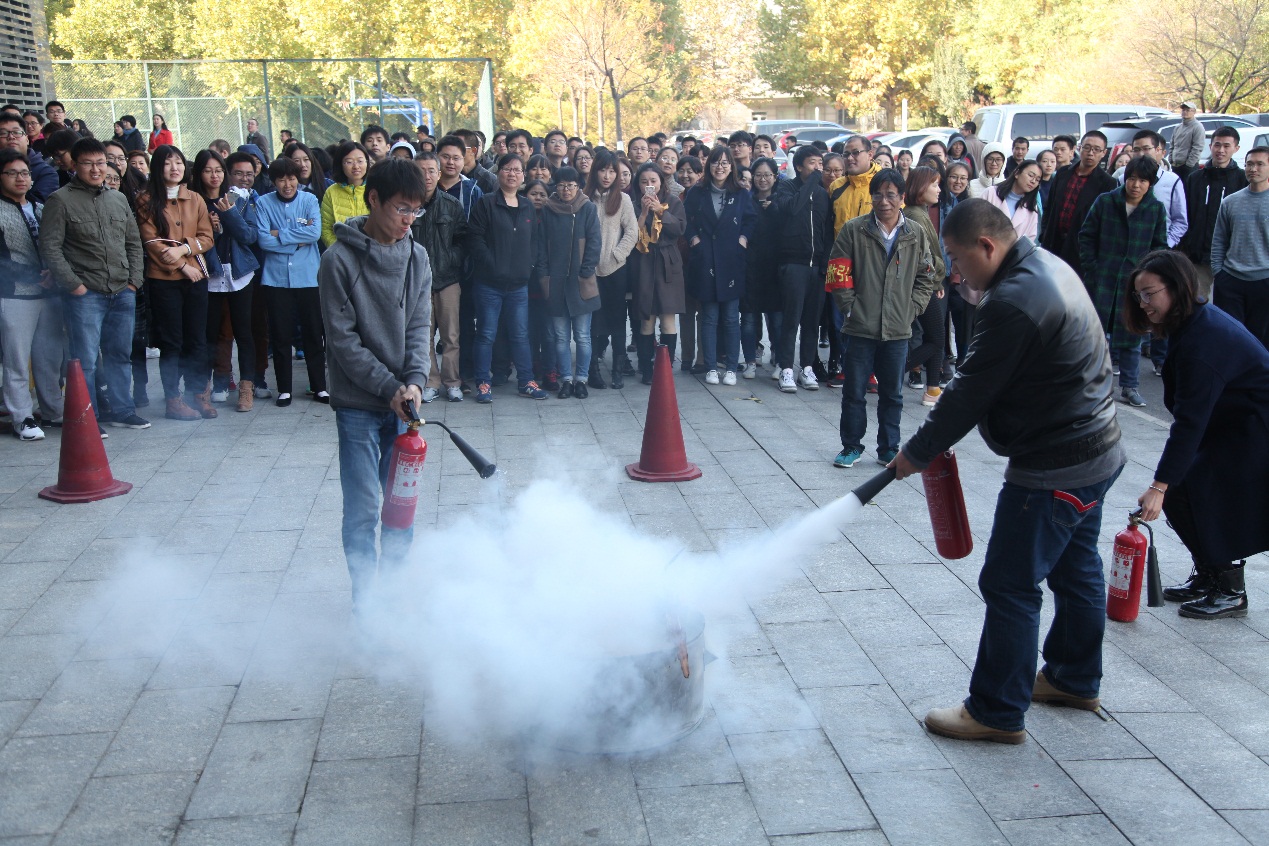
pixel 160 716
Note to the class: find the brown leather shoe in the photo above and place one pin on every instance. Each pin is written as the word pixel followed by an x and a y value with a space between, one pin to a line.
pixel 957 723
pixel 178 410
pixel 1046 692
pixel 202 404
pixel 246 395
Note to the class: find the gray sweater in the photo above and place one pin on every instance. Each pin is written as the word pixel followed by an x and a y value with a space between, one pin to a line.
pixel 1240 243
pixel 1187 143
pixel 377 307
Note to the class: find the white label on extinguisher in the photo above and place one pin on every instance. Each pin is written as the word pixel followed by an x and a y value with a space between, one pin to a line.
pixel 1120 572
pixel 405 481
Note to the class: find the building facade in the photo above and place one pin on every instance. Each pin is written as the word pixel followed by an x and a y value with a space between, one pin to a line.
pixel 25 73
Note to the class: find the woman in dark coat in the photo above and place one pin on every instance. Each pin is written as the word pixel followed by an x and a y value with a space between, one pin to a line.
pixel 1122 226
pixel 658 278
pixel 1212 480
pixel 720 222
pixel 570 227
pixel 761 295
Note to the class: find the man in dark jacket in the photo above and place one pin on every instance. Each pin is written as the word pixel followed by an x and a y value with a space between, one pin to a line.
pixel 1074 189
pixel 376 291
pixel 442 230
pixel 472 169
pixel 133 138
pixel 1036 381
pixel 44 179
pixel 803 240
pixel 1205 188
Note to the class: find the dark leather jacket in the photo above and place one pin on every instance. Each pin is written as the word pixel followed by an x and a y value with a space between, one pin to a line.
pixel 442 230
pixel 1036 379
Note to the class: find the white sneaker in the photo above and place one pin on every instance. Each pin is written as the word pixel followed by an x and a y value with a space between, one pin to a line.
pixel 151 352
pixel 729 378
pixel 220 395
pixel 28 431
pixel 750 371
pixel 711 378
pixel 430 394
pixel 454 393
pixel 787 385
pixel 807 380
pixel 262 392
pixel 776 372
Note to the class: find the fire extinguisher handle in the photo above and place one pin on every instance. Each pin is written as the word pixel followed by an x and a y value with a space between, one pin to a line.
pixel 411 411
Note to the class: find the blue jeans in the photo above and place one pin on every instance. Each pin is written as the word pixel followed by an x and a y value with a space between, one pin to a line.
pixel 563 355
pixel 751 330
pixel 729 313
pixel 861 358
pixel 1130 366
pixel 104 322
pixel 1039 536
pixel 365 454
pixel 492 303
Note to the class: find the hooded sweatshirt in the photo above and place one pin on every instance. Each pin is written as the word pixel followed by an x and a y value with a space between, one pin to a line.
pixel 983 182
pixel 377 309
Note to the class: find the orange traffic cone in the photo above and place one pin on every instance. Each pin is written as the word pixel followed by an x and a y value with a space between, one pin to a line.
pixel 663 457
pixel 84 472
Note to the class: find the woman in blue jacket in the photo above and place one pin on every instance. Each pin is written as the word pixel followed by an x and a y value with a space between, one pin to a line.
pixel 572 238
pixel 288 229
pixel 230 267
pixel 1212 480
pixel 720 220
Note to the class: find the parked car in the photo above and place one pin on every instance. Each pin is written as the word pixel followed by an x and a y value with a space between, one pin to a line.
pixel 1040 123
pixel 775 127
pixel 1261 118
pixel 915 139
pixel 805 134
pixel 1119 133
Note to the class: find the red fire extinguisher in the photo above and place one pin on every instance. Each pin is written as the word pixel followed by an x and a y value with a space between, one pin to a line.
pixel 401 494
pixel 1132 556
pixel 946 501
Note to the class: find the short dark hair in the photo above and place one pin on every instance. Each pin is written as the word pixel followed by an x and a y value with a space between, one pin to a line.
pixel 1142 167
pixel 345 149
pixel 240 158
pixel 692 163
pixel 975 218
pixel 630 143
pixel 740 137
pixel 548 136
pixel 520 133
pixel 971 126
pixel 1178 276
pixel 401 136
pixel 452 141
pixel 1097 133
pixel 1227 132
pixel 806 152
pixel 51 103
pixel 567 174
pixel 1156 140
pixel 469 136
pixel 10 117
pixel 86 147
pixel 287 131
pixel 1261 150
pixel 115 142
pixel 60 141
pixel 1069 139
pixel 394 177
pixel 1022 139
pixel 886 176
pixel 283 167
pixel 758 138
pixel 427 156
pixel 8 156
pixel 374 129
pixel 130 120
pixel 508 158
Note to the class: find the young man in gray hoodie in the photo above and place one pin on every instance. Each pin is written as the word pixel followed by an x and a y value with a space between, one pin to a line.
pixel 375 284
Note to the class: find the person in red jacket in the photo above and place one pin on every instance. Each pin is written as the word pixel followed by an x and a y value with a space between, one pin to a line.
pixel 160 136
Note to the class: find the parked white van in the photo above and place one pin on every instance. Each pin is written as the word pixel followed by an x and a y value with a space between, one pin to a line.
pixel 1042 122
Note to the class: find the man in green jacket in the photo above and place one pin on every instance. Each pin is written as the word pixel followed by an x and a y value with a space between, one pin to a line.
pixel 881 276
pixel 90 243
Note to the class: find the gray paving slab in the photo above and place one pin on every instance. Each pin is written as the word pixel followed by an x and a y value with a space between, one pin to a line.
pixel 168 731
pixel 872 731
pixel 490 822
pixel 29 664
pixel 927 807
pixel 357 802
pixel 866 837
pixel 1149 804
pixel 90 696
pixel 798 784
pixel 366 718
pixel 41 777
pixel 1019 782
pixel 466 770
pixel 701 816
pixel 1091 829
pixel 757 694
pixel 1254 825
pixel 264 830
pixel 821 654
pixel 586 800
pixel 132 809
pixel 256 768
pixel 880 618
pixel 703 757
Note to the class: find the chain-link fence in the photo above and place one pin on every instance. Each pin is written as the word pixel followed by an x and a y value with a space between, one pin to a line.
pixel 319 101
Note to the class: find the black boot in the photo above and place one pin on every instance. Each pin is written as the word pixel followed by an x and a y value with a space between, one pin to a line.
pixel 595 380
pixel 617 381
pixel 671 341
pixel 1227 599
pixel 1197 586
pixel 644 352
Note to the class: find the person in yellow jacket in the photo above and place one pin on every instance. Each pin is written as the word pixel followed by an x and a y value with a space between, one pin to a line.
pixel 347 197
pixel 849 194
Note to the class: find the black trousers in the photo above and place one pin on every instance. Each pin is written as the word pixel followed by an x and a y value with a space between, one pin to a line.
pixel 286 305
pixel 929 353
pixel 1179 510
pixel 1247 302
pixel 239 305
pixel 609 323
pixel 180 333
pixel 801 293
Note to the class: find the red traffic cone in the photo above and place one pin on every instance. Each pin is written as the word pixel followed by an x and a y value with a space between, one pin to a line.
pixel 84 473
pixel 663 457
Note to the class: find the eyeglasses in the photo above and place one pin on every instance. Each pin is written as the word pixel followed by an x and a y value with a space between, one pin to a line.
pixel 12 133
pixel 406 211
pixel 17 174
pixel 1090 149
pixel 851 154
pixel 117 159
pixel 1143 297
pixel 889 198
pixel 722 164
pixel 93 164
pixel 1144 150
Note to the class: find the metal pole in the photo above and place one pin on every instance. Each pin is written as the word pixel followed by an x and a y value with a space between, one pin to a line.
pixel 379 88
pixel 149 98
pixel 299 99
pixel 485 101
pixel 268 107
pixel 176 121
